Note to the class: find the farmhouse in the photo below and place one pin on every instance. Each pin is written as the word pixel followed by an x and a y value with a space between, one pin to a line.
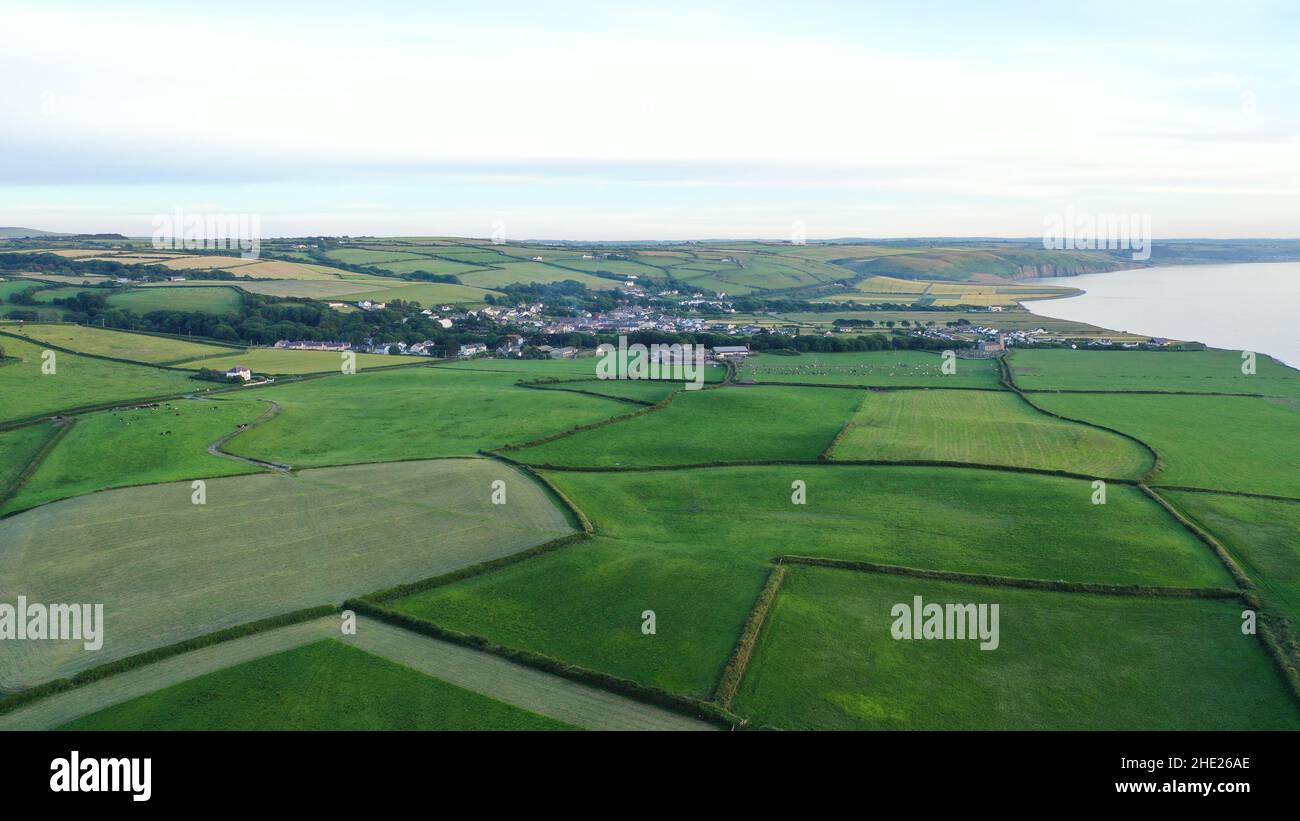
pixel 563 353
pixel 239 372
pixel 995 345
pixel 472 349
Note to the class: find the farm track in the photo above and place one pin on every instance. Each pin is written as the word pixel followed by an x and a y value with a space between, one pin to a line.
pixel 60 708
pixel 216 447
pixel 531 689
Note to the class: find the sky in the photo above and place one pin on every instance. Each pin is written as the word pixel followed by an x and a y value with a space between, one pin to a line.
pixel 654 120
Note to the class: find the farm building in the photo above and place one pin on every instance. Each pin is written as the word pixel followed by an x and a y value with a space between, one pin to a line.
pixel 239 372
pixel 992 345
pixel 730 351
pixel 472 349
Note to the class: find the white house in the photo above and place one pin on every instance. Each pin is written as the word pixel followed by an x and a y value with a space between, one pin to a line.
pixel 239 372
pixel 472 349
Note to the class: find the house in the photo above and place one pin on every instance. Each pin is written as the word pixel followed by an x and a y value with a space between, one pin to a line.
pixel 730 351
pixel 472 349
pixel 997 309
pixel 239 372
pixel 995 345
pixel 563 353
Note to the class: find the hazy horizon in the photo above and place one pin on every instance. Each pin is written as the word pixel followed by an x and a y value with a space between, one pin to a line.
pixel 587 121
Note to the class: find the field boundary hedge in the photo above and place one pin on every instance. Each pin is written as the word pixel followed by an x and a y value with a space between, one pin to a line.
pixel 662 403
pixel 1054 585
pixel 1230 564
pixel 734 673
pixel 1242 493
pixel 648 694
pixel 934 463
pixel 540 387
pixel 92 674
pixel 37 460
pixel 578 515
pixel 424 585
pixel 1008 379
pixel 849 424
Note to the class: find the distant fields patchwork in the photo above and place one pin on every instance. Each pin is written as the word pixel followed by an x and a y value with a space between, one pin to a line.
pixel 167 569
pixel 1218 442
pixel 694 546
pixel 327 685
pixel 1188 371
pixel 702 426
pixel 986 427
pixel 888 369
pixel 827 660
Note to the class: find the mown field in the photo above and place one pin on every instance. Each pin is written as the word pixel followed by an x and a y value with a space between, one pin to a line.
pixel 827 660
pixel 889 369
pixel 117 344
pixel 212 300
pixel 166 569
pixel 291 362
pixel 1218 442
pixel 1262 534
pixel 327 685
pixel 412 413
pixel 694 546
pixel 706 426
pixel 1186 371
pixel 984 427
pixel 119 448
pixel 25 391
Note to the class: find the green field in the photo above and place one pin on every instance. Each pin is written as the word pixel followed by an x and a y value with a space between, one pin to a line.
pixel 210 300
pixel 78 381
pixel 327 685
pixel 827 660
pixel 984 427
pixel 138 446
pixel 694 546
pixel 167 569
pixel 116 344
pixel 424 412
pixel 289 361
pixel 534 272
pixel 641 390
pixel 1190 371
pixel 699 427
pixel 1217 442
pixel 1262 534
pixel 890 369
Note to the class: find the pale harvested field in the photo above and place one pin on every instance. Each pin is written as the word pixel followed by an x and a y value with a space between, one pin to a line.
pixel 167 570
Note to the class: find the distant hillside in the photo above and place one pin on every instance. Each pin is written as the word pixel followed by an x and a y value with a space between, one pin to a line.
pixel 19 233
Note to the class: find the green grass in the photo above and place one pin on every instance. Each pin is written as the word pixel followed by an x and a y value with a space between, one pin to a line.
pixel 289 361
pixel 426 293
pixel 167 570
pixel 827 660
pixel 17 449
pixel 890 369
pixel 322 686
pixel 210 300
pixel 117 344
pixel 411 414
pixel 138 446
pixel 987 428
pixel 77 382
pixel 1194 371
pixel 1217 442
pixel 724 425
pixel 534 272
pixel 1263 535
pixel 694 547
